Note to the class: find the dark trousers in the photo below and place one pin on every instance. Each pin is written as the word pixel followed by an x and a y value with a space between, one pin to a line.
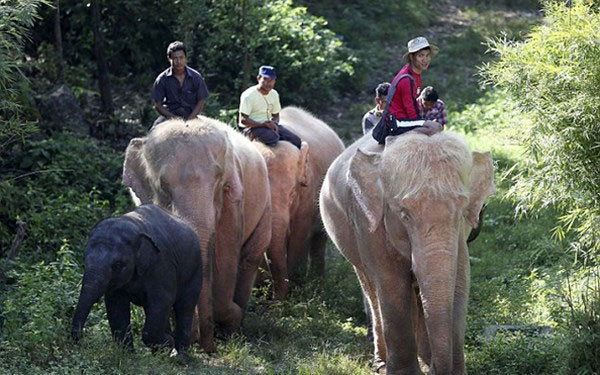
pixel 270 137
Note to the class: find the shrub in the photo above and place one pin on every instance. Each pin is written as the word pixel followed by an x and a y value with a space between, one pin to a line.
pixel 61 187
pixel 554 77
pixel 583 355
pixel 36 311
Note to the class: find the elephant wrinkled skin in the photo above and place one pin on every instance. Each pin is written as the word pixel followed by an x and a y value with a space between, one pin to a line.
pixel 149 258
pixel 295 177
pixel 212 176
pixel 401 214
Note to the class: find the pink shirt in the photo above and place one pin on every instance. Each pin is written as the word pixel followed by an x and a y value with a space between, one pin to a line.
pixel 404 103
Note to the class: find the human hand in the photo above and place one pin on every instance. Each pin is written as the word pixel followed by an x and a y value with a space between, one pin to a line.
pixel 271 125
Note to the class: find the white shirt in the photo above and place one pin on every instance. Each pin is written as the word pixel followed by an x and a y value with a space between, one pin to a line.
pixel 257 106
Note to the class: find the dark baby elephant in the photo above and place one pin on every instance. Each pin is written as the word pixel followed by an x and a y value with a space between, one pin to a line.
pixel 147 257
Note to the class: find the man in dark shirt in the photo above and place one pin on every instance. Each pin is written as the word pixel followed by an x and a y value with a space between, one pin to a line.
pixel 179 91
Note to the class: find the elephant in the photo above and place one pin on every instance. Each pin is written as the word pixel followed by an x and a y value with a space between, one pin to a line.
pixel 400 214
pixel 207 173
pixel 146 257
pixel 295 177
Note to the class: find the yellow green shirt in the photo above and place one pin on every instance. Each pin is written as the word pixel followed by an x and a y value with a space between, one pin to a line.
pixel 257 106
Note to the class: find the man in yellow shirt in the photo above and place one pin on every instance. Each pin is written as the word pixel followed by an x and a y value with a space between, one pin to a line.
pixel 259 111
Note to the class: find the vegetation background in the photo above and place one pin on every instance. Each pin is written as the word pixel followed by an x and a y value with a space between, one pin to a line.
pixel 519 78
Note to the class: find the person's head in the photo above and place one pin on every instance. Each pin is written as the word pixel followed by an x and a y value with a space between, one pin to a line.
pixel 266 78
pixel 428 97
pixel 381 92
pixel 177 55
pixel 419 53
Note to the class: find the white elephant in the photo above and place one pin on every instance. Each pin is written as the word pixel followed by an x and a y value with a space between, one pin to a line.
pixel 295 176
pixel 213 177
pixel 400 213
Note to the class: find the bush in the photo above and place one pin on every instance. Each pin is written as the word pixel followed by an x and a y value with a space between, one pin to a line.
pixel 583 355
pixel 554 77
pixel 36 311
pixel 60 187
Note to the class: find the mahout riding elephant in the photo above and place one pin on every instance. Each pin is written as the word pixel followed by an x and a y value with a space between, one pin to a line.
pixel 146 257
pixel 401 215
pixel 295 177
pixel 212 176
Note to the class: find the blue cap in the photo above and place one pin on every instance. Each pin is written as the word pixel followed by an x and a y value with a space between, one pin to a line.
pixel 267 72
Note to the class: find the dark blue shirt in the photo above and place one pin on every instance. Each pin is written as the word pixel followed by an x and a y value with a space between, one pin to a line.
pixel 179 99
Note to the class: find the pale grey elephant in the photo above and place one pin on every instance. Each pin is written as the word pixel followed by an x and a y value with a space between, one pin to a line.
pixel 214 178
pixel 296 176
pixel 401 215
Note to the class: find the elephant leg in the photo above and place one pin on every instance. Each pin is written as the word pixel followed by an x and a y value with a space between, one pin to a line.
pixel 252 254
pixel 119 318
pixel 184 312
pixel 298 247
pixel 394 293
pixel 374 316
pixel 154 333
pixel 227 313
pixel 318 244
pixel 278 259
pixel 461 297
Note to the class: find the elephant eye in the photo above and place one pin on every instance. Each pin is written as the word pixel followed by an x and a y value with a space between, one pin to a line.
pixel 118 266
pixel 404 215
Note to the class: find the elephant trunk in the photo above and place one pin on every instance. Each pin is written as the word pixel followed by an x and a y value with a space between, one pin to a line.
pixel 92 288
pixel 435 268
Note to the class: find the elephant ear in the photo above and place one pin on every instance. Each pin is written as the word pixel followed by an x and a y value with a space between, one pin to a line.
pixel 302 163
pixel 135 176
pixel 233 187
pixel 482 185
pixel 146 253
pixel 153 236
pixel 363 179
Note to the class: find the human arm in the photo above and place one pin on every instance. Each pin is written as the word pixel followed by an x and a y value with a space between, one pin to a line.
pixel 201 95
pixel 442 117
pixel 163 110
pixel 367 124
pixel 197 110
pixel 248 122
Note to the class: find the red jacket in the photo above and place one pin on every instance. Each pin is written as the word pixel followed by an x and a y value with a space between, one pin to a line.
pixel 404 103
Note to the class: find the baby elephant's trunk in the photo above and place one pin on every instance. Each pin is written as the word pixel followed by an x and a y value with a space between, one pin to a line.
pixel 91 291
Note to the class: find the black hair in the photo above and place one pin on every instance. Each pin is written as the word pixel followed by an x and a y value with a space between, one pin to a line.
pixel 429 94
pixel 176 46
pixel 382 89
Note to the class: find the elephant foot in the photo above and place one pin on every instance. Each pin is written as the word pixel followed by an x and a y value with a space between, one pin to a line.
pixel 378 366
pixel 207 345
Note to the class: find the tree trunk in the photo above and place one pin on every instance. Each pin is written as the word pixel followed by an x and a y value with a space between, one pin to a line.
pixel 103 75
pixel 245 41
pixel 58 43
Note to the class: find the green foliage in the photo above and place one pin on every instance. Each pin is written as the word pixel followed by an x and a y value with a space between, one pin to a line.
pixel 230 38
pixel 16 20
pixel 60 187
pixel 137 33
pixel 553 76
pixel 36 311
pixel 509 354
pixel 584 323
